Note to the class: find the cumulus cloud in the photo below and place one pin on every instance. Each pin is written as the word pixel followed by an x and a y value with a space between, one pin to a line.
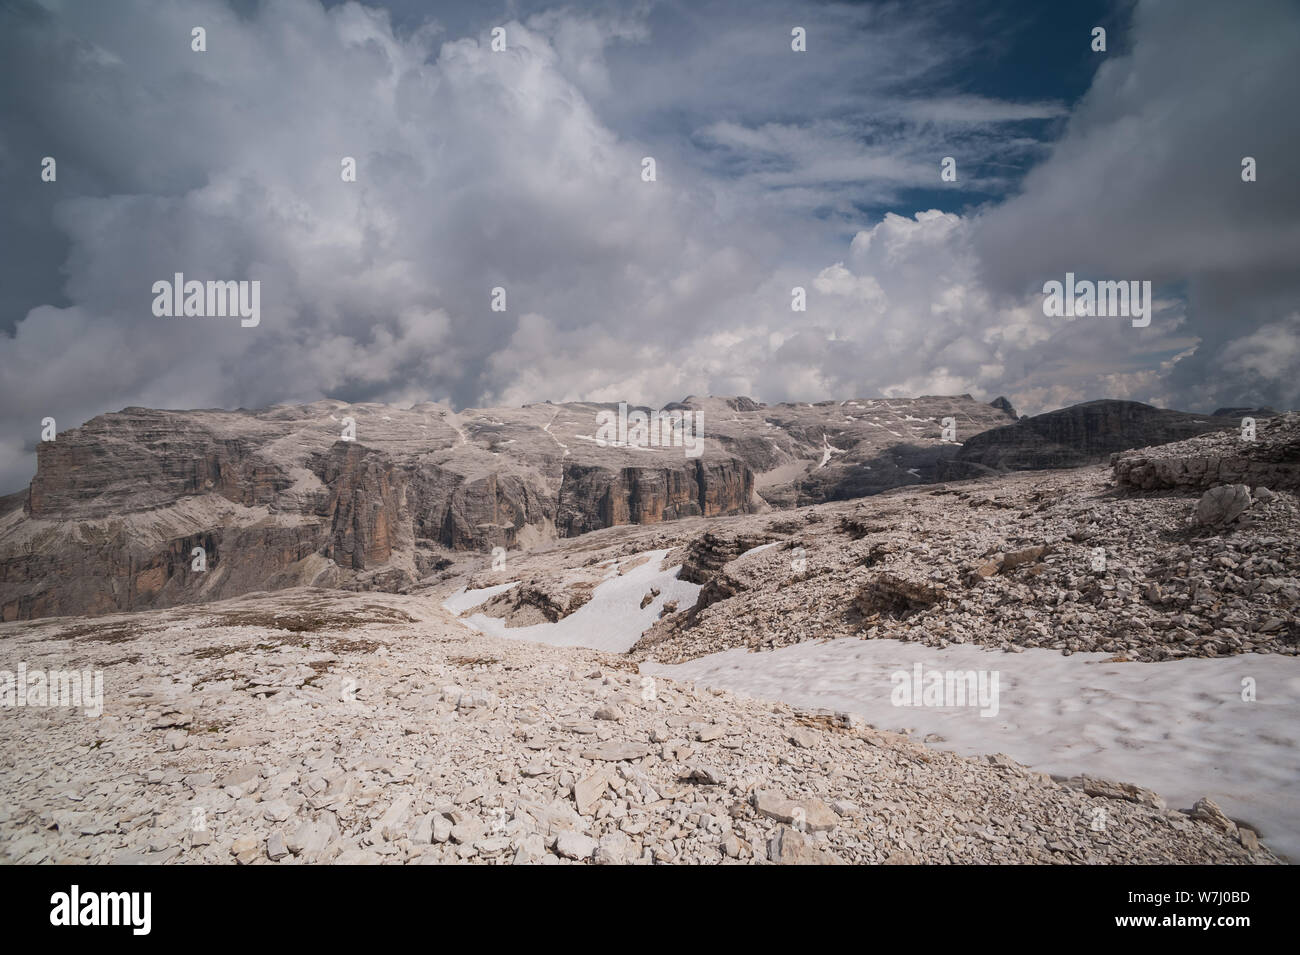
pixel 522 169
pixel 1146 183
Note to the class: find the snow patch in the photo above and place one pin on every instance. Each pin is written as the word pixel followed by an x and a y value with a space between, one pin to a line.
pixel 1178 727
pixel 612 620
pixel 463 599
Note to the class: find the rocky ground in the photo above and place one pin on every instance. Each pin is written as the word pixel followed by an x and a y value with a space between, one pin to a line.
pixel 1055 561
pixel 1062 559
pixel 310 726
pixel 315 725
pixel 380 498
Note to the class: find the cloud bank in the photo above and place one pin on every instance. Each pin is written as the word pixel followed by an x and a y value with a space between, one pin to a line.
pixel 522 169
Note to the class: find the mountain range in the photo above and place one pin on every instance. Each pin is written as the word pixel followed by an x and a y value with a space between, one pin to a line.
pixel 152 508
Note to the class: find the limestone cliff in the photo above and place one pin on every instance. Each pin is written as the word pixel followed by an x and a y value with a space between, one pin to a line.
pixel 279 497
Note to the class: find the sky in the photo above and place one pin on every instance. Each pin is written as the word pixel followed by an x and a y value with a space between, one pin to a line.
pixel 522 169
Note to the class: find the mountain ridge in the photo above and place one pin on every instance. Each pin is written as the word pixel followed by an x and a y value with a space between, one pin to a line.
pixel 287 496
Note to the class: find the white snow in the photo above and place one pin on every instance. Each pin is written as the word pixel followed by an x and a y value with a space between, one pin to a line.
pixel 614 444
pixel 463 599
pixel 827 451
pixel 547 429
pixel 1179 727
pixel 612 620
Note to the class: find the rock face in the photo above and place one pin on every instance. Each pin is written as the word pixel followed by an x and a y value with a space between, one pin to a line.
pixel 278 498
pixel 1271 460
pixel 147 508
pixel 1081 434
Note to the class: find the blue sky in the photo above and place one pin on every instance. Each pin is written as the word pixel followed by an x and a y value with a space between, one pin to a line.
pixel 521 169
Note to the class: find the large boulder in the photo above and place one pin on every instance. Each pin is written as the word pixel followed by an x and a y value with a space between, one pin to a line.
pixel 1222 505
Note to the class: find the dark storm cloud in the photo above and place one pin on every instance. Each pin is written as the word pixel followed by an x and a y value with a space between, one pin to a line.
pixel 1146 183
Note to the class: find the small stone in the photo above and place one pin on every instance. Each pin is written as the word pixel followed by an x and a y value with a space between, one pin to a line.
pixel 1026 555
pixel 617 752
pixel 531 849
pixel 707 775
pixel 275 847
pixel 1208 811
pixel 808 814
pixel 588 791
pixel 468 795
pixel 466 832
pixel 802 737
pixel 277 811
pixel 788 847
pixel 310 837
pixel 901 857
pixel 574 845
pixel 1108 789
pixel 613 849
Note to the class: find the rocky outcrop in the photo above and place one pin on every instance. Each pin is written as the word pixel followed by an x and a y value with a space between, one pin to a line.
pixel 376 497
pixel 707 554
pixel 1222 505
pixel 540 600
pixel 592 497
pixel 1034 559
pixel 1271 459
pixel 140 458
pixel 363 506
pixel 1244 412
pixel 372 496
pixel 1002 404
pixel 837 450
pixel 1081 434
pixel 892 595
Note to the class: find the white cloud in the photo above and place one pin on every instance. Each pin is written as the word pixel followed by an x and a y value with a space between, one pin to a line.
pixel 522 169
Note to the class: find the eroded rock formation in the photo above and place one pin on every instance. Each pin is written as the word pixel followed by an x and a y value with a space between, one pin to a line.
pixel 278 498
